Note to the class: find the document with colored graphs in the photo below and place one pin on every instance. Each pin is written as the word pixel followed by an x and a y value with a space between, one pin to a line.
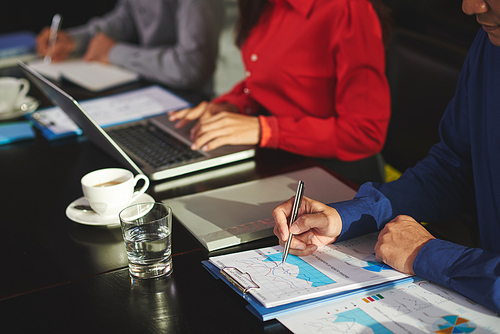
pixel 341 288
pixel 341 267
pixel 414 307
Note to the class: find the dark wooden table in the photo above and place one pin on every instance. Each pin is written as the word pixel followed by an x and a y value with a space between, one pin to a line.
pixel 60 276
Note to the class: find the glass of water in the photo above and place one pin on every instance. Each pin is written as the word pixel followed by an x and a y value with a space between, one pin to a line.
pixel 147 231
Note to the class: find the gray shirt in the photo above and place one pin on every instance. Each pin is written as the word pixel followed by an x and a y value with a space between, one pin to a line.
pixel 174 42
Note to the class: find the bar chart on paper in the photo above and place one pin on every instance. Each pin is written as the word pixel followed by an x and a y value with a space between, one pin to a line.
pixel 331 269
pixel 419 307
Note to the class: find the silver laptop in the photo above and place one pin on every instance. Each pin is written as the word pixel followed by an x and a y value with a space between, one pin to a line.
pixel 152 146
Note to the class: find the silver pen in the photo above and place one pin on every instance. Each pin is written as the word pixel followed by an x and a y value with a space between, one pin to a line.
pixel 295 211
pixel 54 29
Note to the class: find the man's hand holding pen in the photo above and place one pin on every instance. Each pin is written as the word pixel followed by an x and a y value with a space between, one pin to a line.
pixel 317 224
pixel 61 49
pixel 56 45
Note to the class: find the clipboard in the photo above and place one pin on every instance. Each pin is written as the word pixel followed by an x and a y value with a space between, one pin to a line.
pixel 242 283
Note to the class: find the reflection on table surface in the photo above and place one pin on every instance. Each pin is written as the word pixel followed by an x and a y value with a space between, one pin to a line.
pixel 59 274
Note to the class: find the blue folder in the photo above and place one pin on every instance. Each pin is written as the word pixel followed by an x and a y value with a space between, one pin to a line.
pixel 17 43
pixel 15 131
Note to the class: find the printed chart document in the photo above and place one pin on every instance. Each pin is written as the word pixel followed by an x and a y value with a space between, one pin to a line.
pixel 241 213
pixel 110 110
pixel 93 76
pixel 416 307
pixel 344 266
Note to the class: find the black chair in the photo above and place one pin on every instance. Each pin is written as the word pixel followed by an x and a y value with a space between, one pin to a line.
pixel 441 19
pixel 422 73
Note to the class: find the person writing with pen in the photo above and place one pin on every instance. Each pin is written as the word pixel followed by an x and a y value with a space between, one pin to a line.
pixel 460 171
pixel 167 41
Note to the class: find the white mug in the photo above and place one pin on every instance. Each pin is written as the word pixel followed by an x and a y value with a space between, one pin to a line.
pixel 12 93
pixel 110 190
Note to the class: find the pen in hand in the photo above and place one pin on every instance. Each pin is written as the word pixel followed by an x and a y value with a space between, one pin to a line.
pixel 295 211
pixel 54 28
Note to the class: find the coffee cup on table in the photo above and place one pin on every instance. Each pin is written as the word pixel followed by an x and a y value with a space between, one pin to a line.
pixel 110 190
pixel 13 92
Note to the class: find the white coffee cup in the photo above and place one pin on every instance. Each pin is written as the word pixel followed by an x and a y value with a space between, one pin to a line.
pixel 13 91
pixel 110 190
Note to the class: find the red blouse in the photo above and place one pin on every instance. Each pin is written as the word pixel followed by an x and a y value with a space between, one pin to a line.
pixel 315 71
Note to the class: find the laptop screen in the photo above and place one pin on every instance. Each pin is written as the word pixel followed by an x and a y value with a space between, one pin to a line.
pixel 81 118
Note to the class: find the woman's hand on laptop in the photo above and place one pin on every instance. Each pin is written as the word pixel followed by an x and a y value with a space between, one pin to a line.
pixel 201 111
pixel 225 128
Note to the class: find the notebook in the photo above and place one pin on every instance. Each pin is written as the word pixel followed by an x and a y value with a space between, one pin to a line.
pixel 93 76
pixel 142 145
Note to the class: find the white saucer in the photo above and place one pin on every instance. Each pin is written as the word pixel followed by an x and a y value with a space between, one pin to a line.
pixel 29 105
pixel 92 218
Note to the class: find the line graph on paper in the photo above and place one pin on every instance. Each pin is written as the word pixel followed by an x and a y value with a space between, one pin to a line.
pixel 331 269
pixel 293 277
pixel 359 253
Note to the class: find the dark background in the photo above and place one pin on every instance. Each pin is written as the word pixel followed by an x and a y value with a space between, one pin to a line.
pixel 439 18
pixel 34 15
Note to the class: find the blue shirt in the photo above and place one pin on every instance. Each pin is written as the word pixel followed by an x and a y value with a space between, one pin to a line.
pixel 460 172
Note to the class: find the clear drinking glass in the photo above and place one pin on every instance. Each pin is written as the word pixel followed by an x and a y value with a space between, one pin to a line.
pixel 147 231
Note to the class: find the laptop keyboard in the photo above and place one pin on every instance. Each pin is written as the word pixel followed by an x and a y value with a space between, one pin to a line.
pixel 153 145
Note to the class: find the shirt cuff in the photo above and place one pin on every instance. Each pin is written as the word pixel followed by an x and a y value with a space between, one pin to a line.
pixel 435 260
pixel 122 54
pixel 269 131
pixel 355 219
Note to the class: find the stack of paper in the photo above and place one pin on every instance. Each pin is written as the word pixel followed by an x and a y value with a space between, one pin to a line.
pixel 411 307
pixel 341 288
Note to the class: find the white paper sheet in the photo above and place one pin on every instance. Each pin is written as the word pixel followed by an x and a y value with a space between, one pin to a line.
pixel 114 109
pixel 420 307
pixel 334 268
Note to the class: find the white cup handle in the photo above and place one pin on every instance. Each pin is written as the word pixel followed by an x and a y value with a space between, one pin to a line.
pixel 24 84
pixel 143 189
